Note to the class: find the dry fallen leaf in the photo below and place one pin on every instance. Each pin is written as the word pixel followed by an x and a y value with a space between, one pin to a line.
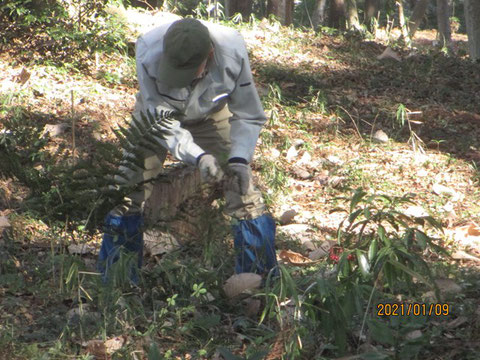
pixel 102 350
pixel 80 249
pixel 291 153
pixel 158 242
pixel 457 322
pixel 295 258
pixel 473 230
pixel 23 77
pixel 440 189
pixel 416 211
pixel 239 283
pixel 301 173
pixel 336 181
pixel 97 349
pixel 462 255
pixel 114 344
pixel 305 159
pixel 468 235
pixel 388 53
pixel 78 311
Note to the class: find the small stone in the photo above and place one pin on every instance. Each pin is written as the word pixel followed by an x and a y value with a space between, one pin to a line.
pixel 287 217
pixel 415 334
pixel 209 297
pixel 447 286
pixel 4 223
pixel 380 137
pixel 322 251
pixel 55 129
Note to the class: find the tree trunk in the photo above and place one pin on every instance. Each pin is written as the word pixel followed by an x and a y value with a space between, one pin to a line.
pixel 336 14
pixel 472 17
pixel 371 11
pixel 417 16
pixel 443 20
pixel 318 17
pixel 403 25
pixel 244 7
pixel 282 9
pixel 352 15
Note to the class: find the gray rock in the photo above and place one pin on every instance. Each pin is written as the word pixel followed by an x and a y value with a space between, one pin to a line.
pixel 4 223
pixel 380 137
pixel 294 229
pixel 55 129
pixel 287 217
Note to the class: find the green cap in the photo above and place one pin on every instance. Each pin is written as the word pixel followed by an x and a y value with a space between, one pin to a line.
pixel 185 46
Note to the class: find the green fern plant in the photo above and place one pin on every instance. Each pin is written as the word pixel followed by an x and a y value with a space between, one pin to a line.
pixel 142 135
pixel 83 191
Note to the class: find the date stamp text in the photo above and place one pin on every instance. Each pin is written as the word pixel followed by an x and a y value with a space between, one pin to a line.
pixel 413 309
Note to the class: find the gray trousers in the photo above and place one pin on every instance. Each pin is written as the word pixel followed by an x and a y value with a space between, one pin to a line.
pixel 213 136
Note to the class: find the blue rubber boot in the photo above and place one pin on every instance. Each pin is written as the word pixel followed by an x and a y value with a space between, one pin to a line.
pixel 254 242
pixel 121 232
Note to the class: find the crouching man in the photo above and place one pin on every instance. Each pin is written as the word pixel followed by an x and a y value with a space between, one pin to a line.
pixel 196 75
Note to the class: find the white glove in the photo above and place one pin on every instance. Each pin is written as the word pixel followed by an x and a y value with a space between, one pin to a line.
pixel 210 171
pixel 242 177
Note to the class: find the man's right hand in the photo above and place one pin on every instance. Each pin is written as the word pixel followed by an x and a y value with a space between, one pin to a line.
pixel 165 114
pixel 210 171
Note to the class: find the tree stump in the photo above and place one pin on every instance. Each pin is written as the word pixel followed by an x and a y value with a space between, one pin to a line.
pixel 170 190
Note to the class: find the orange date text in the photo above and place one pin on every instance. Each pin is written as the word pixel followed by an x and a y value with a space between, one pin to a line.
pixel 413 309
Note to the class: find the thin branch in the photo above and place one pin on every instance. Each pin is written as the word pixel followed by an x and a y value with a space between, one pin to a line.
pixel 353 121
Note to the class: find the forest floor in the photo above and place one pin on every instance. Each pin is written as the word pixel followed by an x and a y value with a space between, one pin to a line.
pixel 339 118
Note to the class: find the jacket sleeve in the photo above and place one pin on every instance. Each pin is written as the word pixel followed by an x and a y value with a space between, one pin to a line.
pixel 177 140
pixel 248 116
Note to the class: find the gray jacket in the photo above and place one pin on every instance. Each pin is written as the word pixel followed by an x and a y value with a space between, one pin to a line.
pixel 228 81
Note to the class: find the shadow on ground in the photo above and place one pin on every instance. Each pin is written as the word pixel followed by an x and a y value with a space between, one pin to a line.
pixel 443 91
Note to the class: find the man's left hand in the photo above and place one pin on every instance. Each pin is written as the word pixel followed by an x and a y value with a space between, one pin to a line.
pixel 242 174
